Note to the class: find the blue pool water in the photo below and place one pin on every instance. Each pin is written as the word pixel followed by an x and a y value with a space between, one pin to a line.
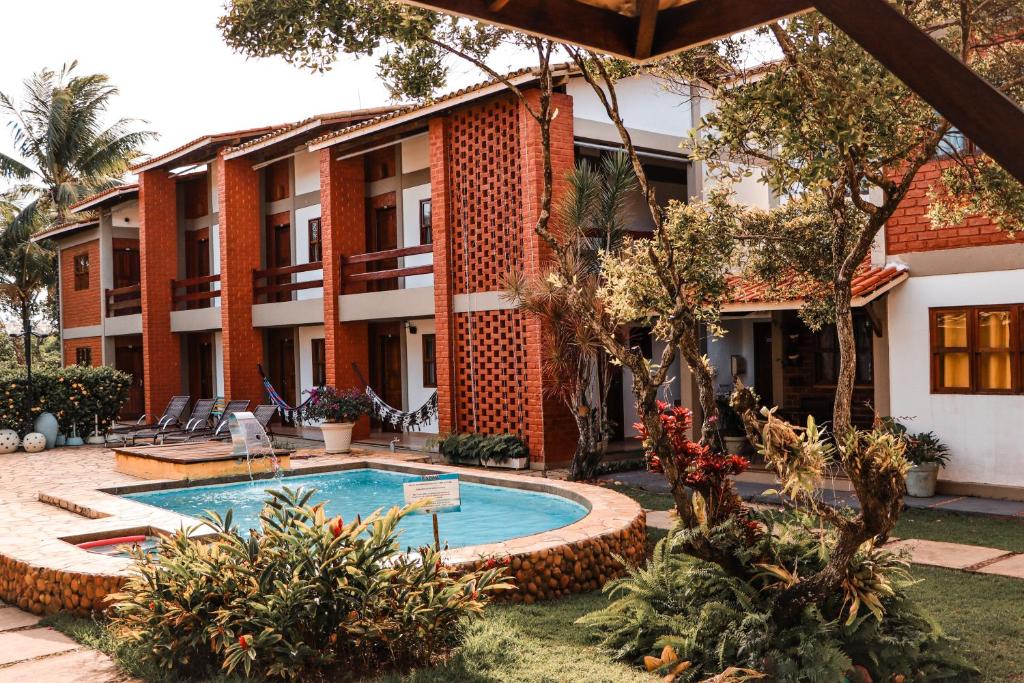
pixel 489 513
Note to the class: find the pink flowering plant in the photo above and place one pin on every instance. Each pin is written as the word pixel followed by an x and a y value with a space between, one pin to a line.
pixel 327 404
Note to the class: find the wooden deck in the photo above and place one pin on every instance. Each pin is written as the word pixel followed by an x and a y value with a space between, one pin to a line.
pixel 201 460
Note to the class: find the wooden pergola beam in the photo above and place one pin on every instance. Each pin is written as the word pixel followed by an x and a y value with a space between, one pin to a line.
pixel 568 21
pixel 703 21
pixel 990 119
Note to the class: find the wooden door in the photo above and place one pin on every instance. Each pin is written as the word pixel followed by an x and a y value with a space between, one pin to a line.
pixel 763 363
pixel 281 361
pixel 201 382
pixel 128 358
pixel 127 267
pixel 386 365
pixel 382 235
pixel 279 253
pixel 197 263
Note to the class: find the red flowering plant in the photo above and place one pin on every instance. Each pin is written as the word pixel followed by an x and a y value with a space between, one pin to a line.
pixel 698 467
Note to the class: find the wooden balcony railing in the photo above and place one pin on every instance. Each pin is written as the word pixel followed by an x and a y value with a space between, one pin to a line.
pixel 372 260
pixel 276 284
pixel 198 292
pixel 123 300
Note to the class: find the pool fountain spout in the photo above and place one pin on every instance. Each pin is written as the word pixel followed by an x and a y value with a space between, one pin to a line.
pixel 249 439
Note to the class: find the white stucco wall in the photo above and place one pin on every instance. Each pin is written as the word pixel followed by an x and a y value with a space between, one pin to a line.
pixel 301 230
pixel 306 335
pixel 307 172
pixel 981 430
pixel 125 215
pixel 738 340
pixel 669 392
pixel 411 197
pixel 418 393
pixel 415 153
pixel 644 104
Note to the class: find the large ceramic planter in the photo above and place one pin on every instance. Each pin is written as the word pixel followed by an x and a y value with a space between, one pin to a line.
pixel 921 480
pixel 337 436
pixel 734 444
pixel 46 424
pixel 507 463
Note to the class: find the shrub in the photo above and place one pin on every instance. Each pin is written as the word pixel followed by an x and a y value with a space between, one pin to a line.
pixel 302 596
pixel 327 404
pixel 922 448
pixel 75 395
pixel 496 447
pixel 715 620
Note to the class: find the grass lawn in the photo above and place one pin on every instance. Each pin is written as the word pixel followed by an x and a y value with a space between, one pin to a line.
pixel 542 643
pixel 647 499
pixel 939 525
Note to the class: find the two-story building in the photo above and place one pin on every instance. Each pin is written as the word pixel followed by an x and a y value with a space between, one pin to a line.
pixel 374 245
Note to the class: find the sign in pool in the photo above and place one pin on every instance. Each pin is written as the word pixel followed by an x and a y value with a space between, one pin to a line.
pixel 442 490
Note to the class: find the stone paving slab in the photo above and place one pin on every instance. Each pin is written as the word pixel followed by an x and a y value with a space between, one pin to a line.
pixel 661 519
pixel 18 646
pixel 12 618
pixel 948 555
pixel 1012 566
pixel 85 666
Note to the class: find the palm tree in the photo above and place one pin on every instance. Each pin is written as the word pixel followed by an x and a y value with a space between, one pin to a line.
pixel 592 221
pixel 67 152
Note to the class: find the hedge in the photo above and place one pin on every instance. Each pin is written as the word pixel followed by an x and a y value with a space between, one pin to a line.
pixel 75 395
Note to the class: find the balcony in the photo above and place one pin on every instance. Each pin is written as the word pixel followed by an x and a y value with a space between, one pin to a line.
pixel 123 300
pixel 396 291
pixel 380 267
pixel 273 285
pixel 199 292
pixel 195 304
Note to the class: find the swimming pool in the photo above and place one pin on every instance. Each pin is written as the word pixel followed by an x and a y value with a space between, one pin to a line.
pixel 489 513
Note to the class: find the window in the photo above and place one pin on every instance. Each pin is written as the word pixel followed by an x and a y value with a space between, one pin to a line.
pixel 319 363
pixel 826 355
pixel 430 360
pixel 316 247
pixel 426 228
pixel 83 355
pixel 82 271
pixel 977 350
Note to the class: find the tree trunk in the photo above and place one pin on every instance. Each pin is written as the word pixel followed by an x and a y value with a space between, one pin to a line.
pixel 26 340
pixel 842 410
pixel 704 377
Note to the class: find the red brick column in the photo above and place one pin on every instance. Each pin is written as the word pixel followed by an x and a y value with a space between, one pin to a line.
pixel 240 208
pixel 343 226
pixel 551 430
pixel 443 291
pixel 158 246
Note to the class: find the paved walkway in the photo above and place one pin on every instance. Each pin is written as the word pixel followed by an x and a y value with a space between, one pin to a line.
pixel 970 558
pixel 753 491
pixel 30 653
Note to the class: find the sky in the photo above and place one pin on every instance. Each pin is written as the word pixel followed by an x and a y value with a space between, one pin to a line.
pixel 173 69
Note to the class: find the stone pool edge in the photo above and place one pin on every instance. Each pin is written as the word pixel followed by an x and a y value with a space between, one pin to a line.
pixel 47 575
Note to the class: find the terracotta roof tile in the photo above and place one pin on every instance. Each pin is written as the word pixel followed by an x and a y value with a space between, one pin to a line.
pixel 212 139
pixel 109 192
pixel 331 118
pixel 868 280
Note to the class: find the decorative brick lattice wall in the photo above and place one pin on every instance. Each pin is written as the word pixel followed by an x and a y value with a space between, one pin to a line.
pixel 909 229
pixel 485 226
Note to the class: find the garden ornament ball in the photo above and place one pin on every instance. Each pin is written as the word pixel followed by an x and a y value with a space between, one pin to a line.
pixel 34 442
pixel 9 441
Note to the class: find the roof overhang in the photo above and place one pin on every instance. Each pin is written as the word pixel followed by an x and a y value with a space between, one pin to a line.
pixel 200 150
pixel 880 283
pixel 114 195
pixel 286 139
pixel 66 230
pixel 410 114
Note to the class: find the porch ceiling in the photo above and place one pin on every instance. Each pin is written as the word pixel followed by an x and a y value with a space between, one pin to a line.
pixel 749 295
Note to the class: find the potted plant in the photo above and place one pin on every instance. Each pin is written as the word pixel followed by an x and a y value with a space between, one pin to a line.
pixel 489 450
pixel 730 426
pixel 926 453
pixel 337 413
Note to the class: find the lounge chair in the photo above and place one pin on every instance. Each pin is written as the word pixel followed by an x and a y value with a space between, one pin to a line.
pixel 199 419
pixel 206 433
pixel 264 413
pixel 171 416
